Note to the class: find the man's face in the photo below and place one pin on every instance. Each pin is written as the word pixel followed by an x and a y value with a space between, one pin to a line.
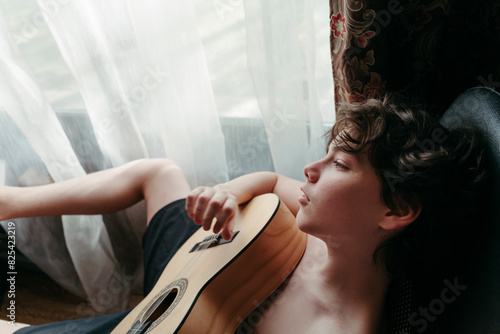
pixel 342 197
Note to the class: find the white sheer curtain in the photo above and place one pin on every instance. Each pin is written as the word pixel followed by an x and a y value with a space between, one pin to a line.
pixel 221 87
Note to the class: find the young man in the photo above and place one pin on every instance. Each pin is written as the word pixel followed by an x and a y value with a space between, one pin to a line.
pixel 372 195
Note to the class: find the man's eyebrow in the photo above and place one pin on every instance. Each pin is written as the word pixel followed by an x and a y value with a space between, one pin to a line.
pixel 337 148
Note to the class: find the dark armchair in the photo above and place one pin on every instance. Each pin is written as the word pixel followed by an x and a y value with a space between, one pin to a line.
pixel 467 300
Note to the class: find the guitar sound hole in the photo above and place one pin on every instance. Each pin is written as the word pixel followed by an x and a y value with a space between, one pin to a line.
pixel 163 306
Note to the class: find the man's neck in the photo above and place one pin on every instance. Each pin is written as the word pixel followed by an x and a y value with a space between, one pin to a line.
pixel 343 281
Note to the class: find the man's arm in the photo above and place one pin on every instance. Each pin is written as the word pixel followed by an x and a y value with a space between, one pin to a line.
pixel 248 186
pixel 221 202
pixel 158 181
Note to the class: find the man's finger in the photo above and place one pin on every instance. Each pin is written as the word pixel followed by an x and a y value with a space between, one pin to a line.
pixel 227 232
pixel 212 208
pixel 200 205
pixel 191 200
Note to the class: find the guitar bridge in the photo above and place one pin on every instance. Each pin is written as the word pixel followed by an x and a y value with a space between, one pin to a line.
pixel 212 241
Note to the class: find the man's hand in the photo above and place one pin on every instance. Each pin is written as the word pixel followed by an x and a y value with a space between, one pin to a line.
pixel 204 204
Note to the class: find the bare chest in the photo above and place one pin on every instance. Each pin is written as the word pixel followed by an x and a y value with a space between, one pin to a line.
pixel 287 311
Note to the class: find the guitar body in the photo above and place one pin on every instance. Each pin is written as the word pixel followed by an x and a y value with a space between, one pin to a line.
pixel 212 290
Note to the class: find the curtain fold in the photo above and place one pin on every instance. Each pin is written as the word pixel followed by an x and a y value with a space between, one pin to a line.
pixel 277 67
pixel 222 88
pixel 26 105
pixel 183 104
pixel 283 73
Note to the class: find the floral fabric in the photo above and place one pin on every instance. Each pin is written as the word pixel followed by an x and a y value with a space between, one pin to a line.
pixel 431 50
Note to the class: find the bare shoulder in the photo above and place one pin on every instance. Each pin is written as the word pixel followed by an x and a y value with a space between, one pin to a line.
pixel 7 327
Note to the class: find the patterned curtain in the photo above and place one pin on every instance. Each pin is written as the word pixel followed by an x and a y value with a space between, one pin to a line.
pixel 430 50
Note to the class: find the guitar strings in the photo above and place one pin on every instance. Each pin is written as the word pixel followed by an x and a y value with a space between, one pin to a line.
pixel 204 247
pixel 196 257
pixel 201 250
pixel 182 273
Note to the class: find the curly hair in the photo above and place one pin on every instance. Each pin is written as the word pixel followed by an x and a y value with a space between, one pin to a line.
pixel 421 165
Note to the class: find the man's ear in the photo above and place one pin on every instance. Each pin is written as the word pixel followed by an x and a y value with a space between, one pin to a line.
pixel 395 219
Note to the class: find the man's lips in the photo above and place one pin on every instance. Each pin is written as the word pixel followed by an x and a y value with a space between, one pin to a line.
pixel 303 199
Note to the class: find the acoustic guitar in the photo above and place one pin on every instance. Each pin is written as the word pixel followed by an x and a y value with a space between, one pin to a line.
pixel 211 285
